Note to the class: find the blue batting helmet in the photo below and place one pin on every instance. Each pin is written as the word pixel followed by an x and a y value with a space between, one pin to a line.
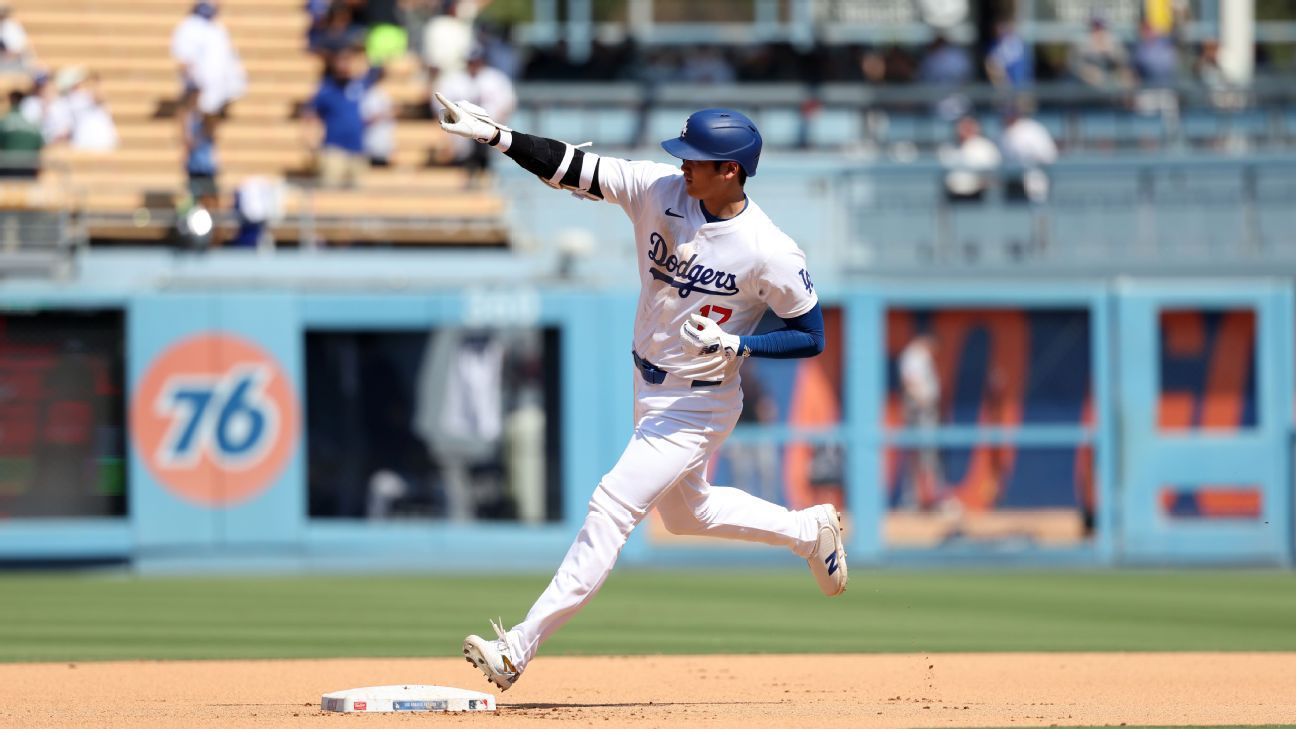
pixel 718 134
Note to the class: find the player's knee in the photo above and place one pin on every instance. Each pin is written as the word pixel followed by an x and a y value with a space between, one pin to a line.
pixel 681 522
pixel 603 503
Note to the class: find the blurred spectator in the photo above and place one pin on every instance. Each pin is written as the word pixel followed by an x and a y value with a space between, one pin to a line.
pixel 900 65
pixel 198 132
pixel 38 99
pixel 20 141
pixel 447 39
pixel 1008 62
pixel 207 58
pixel 661 65
pixel 387 37
pixel 706 66
pixel 15 50
pixel 970 163
pixel 550 63
pixel 1155 57
pixel 945 64
pixel 258 204
pixel 486 87
pixel 920 388
pixel 1207 69
pixel 873 66
pixel 336 29
pixel 78 116
pixel 1027 144
pixel 1100 60
pixel 500 51
pixel 380 124
pixel 318 10
pixel 1223 93
pixel 336 105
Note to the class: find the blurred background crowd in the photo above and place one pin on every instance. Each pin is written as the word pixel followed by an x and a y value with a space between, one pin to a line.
pixel 972 83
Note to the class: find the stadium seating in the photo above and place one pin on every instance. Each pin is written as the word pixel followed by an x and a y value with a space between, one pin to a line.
pixel 128 44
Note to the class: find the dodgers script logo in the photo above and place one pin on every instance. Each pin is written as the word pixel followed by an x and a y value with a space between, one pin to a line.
pixel 688 276
pixel 214 419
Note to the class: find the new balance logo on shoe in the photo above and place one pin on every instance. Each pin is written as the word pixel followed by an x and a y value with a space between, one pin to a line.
pixel 508 665
pixel 831 561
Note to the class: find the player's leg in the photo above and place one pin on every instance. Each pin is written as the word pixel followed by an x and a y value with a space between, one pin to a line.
pixel 697 508
pixel 664 445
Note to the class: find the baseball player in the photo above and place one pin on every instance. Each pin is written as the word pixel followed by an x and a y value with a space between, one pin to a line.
pixel 710 263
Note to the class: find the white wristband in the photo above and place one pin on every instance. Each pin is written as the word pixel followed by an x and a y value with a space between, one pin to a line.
pixel 505 140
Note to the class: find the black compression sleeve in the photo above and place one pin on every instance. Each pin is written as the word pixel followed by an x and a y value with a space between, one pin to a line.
pixel 541 156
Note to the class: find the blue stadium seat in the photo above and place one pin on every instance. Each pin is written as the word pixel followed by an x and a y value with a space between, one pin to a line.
pixel 836 128
pixel 919 129
pixel 569 125
pixel 1201 126
pixel 1145 128
pixel 666 122
pixel 1055 123
pixel 524 120
pixel 780 127
pixel 1099 127
pixel 991 125
pixel 1251 123
pixel 616 126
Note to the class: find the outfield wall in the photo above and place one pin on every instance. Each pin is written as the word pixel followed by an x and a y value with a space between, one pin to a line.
pixel 304 426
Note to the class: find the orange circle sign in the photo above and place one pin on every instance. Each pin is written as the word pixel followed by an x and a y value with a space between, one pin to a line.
pixel 214 418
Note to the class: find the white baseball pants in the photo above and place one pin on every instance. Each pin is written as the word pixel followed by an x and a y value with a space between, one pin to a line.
pixel 677 431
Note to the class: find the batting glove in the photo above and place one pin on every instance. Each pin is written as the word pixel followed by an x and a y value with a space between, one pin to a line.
pixel 702 336
pixel 465 119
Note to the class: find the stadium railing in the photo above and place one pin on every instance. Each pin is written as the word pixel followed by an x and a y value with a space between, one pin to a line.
pixel 918 116
pixel 40 223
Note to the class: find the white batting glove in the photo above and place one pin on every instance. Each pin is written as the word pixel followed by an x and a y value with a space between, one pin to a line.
pixel 702 336
pixel 465 119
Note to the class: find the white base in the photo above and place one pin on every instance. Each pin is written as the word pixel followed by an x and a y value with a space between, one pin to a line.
pixel 406 698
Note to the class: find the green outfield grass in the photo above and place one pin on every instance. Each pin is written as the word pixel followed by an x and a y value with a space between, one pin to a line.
pixel 72 617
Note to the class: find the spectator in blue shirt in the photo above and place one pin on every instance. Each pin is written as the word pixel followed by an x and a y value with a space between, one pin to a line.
pixel 1155 57
pixel 337 106
pixel 1008 63
pixel 198 130
pixel 945 64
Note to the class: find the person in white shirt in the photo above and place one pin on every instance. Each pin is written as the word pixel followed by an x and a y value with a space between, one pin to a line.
pixel 971 164
pixel 78 116
pixel 1027 143
pixel 448 37
pixel 920 388
pixel 15 49
pixel 37 100
pixel 207 58
pixel 379 115
pixel 487 87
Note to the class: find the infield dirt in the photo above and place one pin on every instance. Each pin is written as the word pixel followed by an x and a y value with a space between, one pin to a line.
pixel 754 692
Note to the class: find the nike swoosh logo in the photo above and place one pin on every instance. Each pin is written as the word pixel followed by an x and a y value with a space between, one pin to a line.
pixel 673 215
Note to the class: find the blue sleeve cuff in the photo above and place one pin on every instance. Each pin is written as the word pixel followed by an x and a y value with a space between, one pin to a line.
pixel 801 336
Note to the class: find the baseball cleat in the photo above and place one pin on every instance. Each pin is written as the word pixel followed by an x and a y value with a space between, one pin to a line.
pixel 494 658
pixel 828 560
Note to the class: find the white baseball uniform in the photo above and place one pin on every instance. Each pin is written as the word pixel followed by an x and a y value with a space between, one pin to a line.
pixel 729 270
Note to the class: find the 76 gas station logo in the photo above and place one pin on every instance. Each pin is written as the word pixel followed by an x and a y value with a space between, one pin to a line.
pixel 228 417
pixel 214 419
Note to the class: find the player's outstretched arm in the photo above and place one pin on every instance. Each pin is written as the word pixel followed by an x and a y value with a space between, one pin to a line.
pixel 557 164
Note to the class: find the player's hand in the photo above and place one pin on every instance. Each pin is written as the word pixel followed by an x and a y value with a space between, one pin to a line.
pixel 468 120
pixel 703 337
